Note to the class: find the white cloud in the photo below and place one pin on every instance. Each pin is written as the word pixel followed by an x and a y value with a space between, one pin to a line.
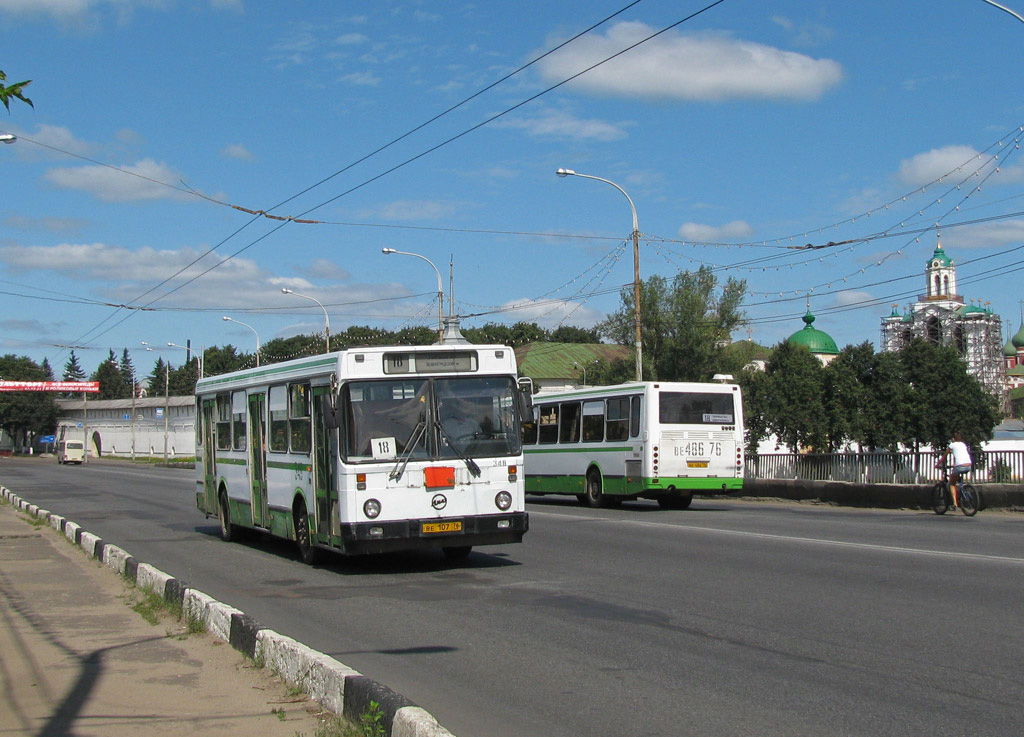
pixel 699 232
pixel 959 162
pixel 997 233
pixel 551 313
pixel 852 297
pixel 690 67
pixel 556 124
pixel 351 39
pixel 237 151
pixel 119 185
pixel 412 210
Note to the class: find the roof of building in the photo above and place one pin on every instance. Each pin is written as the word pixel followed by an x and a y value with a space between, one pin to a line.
pixel 1009 350
pixel 939 258
pixel 565 360
pixel 817 341
pixel 1018 338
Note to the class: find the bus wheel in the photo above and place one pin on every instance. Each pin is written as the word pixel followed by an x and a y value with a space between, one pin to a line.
pixel 227 530
pixel 307 552
pixel 677 500
pixel 595 497
pixel 457 552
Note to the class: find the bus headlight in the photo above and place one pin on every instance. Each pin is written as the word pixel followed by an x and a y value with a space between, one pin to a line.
pixel 503 501
pixel 371 508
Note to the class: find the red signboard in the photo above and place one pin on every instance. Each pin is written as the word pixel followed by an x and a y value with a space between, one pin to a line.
pixel 91 387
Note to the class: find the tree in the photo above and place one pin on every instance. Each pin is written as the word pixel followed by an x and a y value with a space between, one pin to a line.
pixel 159 379
pixel 112 384
pixel 16 90
pixel 73 369
pixel 183 379
pixel 217 361
pixel 790 398
pixel 570 334
pixel 686 323
pixel 127 369
pixel 846 390
pixel 25 412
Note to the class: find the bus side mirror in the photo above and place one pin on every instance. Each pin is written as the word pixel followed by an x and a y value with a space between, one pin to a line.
pixel 330 412
pixel 525 404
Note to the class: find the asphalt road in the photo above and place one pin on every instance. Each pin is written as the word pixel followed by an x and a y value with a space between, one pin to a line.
pixel 731 618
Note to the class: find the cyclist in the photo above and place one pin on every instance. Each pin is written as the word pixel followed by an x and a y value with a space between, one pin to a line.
pixel 962 464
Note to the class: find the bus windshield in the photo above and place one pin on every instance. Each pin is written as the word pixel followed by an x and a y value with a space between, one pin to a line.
pixel 696 408
pixel 424 419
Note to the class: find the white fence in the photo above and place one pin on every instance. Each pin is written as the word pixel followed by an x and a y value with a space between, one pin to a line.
pixel 1000 466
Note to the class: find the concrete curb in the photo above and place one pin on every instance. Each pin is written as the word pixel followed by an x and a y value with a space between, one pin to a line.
pixel 333 684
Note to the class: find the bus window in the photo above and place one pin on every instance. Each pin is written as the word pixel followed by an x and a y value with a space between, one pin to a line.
pixel 199 422
pixel 223 422
pixel 238 433
pixel 530 425
pixel 696 408
pixel 279 419
pixel 298 418
pixel 593 421
pixel 391 410
pixel 549 423
pixel 477 415
pixel 617 423
pixel 634 417
pixel 569 427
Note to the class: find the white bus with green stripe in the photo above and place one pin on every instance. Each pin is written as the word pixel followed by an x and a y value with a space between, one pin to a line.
pixel 367 450
pixel 655 440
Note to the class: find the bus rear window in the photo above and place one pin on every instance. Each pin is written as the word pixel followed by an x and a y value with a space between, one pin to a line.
pixel 698 408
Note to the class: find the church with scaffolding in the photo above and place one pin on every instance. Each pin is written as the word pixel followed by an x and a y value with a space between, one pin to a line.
pixel 941 316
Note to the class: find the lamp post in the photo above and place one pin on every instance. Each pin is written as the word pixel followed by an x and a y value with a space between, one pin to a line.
pixel 230 319
pixel 584 367
pixel 636 265
pixel 188 355
pixel 1016 15
pixel 327 318
pixel 8 138
pixel 167 398
pixel 440 289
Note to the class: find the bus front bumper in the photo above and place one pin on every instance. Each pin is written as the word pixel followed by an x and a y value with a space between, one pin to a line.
pixel 418 534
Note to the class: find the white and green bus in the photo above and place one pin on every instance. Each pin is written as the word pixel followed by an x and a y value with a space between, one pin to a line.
pixel 367 450
pixel 655 440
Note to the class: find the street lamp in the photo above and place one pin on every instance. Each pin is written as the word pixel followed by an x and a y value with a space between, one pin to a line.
pixel 1016 15
pixel 440 289
pixel 584 367
pixel 636 265
pixel 327 318
pixel 167 398
pixel 8 138
pixel 188 355
pixel 229 319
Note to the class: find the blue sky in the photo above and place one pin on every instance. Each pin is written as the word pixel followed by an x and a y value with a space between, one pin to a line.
pixel 738 134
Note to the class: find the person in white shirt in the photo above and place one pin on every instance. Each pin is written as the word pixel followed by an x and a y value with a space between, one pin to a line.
pixel 962 463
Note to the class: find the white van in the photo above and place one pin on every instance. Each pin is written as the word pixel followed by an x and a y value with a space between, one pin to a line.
pixel 70 451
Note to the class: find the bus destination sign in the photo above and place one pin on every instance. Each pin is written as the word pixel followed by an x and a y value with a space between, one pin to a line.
pixel 440 362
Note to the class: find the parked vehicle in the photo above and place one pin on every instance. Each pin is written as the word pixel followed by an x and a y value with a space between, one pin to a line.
pixel 71 451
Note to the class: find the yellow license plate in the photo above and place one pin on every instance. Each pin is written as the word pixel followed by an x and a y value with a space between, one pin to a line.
pixel 697 464
pixel 435 527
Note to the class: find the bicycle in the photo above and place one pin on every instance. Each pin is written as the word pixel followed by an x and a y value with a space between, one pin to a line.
pixel 942 496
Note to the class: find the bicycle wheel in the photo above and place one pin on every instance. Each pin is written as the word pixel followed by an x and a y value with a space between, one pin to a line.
pixel 968 499
pixel 940 502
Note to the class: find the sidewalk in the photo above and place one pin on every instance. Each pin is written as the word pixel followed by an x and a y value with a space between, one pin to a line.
pixel 75 659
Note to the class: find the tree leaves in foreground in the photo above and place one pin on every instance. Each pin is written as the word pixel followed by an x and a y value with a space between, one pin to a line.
pixel 16 90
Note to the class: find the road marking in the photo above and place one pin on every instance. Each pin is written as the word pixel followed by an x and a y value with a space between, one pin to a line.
pixel 794 538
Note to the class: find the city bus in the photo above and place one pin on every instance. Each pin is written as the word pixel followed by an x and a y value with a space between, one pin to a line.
pixel 653 440
pixel 367 450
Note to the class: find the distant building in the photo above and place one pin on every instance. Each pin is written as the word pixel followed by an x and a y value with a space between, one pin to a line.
pixel 1013 359
pixel 818 342
pixel 941 316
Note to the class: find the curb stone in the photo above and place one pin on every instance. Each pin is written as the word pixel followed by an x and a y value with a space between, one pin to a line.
pixel 338 688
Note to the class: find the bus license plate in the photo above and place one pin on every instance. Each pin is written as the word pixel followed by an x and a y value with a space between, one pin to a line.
pixel 696 464
pixel 429 528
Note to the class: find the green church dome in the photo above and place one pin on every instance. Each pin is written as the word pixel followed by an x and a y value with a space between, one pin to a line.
pixel 1009 350
pixel 815 340
pixel 1018 339
pixel 939 258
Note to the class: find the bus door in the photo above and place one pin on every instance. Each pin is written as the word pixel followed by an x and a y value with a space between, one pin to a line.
pixel 209 454
pixel 325 455
pixel 636 446
pixel 258 465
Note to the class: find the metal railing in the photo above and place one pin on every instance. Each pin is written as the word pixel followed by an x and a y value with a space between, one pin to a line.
pixel 996 466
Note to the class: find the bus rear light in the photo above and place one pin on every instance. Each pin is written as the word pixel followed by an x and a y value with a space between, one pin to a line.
pixel 371 508
pixel 503 501
pixel 361 481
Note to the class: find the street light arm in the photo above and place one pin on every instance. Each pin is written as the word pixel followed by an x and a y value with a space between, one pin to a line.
pixel 632 207
pixel 440 289
pixel 327 317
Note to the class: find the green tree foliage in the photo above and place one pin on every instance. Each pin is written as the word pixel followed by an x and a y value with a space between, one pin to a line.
pixel 24 412
pixel 183 379
pixel 127 369
pixel 112 383
pixel 73 369
pixel 686 323
pixel 919 396
pixel 16 90
pixel 159 378
pixel 570 334
pixel 224 360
